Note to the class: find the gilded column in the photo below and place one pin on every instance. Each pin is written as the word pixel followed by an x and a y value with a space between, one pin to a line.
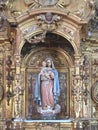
pixel 77 90
pixel 77 95
pixel 18 89
pixel 86 87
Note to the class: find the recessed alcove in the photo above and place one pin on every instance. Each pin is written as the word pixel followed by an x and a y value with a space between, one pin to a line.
pixel 62 53
pixel 51 40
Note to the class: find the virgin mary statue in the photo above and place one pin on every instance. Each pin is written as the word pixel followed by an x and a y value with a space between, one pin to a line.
pixel 47 88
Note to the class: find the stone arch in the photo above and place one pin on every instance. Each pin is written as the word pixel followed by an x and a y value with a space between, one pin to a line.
pixel 76 51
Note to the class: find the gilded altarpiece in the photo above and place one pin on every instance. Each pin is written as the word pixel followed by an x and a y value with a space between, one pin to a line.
pixel 56 29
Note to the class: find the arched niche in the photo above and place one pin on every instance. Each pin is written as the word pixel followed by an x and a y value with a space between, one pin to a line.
pixel 61 52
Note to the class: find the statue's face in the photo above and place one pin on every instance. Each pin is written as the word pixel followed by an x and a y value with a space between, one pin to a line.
pixel 49 63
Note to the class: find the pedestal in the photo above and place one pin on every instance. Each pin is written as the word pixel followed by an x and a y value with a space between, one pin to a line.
pixel 48 124
pixel 49 114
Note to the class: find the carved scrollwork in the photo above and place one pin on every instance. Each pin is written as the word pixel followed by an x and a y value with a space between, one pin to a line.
pixel 95 92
